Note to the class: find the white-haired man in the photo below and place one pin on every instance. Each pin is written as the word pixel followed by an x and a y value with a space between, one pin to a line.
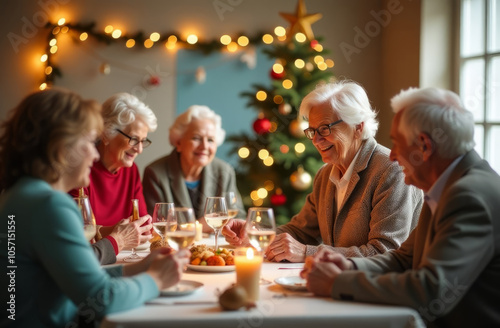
pixel 449 267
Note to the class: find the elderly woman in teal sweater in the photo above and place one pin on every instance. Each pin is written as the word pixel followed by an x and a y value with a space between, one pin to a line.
pixel 46 149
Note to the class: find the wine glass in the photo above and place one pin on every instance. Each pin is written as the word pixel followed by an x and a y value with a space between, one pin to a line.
pixel 231 201
pixel 260 228
pixel 181 228
pixel 216 215
pixel 89 226
pixel 161 215
pixel 134 257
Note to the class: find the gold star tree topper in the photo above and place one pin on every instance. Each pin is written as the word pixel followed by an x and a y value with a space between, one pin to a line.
pixel 301 21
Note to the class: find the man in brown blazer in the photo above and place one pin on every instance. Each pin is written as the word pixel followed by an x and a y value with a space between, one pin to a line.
pixel 449 268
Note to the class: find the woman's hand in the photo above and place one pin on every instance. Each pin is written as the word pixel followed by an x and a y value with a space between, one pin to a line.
pixel 234 232
pixel 285 247
pixel 166 267
pixel 131 234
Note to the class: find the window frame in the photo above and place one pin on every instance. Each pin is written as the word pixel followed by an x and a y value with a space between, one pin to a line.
pixel 487 57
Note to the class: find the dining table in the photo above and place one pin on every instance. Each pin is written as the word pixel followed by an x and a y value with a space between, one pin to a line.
pixel 283 302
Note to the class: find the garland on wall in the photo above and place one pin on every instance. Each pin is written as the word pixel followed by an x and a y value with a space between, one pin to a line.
pixel 83 32
pixel 170 41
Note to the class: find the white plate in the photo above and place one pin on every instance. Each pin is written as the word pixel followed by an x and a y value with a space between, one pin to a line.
pixel 184 287
pixel 292 283
pixel 211 268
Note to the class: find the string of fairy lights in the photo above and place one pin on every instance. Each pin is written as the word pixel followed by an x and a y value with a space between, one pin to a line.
pixel 173 41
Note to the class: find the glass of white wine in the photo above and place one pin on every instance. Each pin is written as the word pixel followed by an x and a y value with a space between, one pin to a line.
pixel 231 202
pixel 260 227
pixel 161 215
pixel 89 226
pixel 185 229
pixel 216 215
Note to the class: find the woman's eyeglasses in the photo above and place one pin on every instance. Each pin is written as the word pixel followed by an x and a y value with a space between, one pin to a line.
pixel 323 130
pixel 134 141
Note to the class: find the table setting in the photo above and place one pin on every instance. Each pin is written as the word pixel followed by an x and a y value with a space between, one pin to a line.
pixel 284 301
pixel 244 289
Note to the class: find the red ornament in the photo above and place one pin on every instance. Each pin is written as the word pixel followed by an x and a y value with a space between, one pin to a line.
pixel 277 76
pixel 314 43
pixel 154 80
pixel 278 199
pixel 262 125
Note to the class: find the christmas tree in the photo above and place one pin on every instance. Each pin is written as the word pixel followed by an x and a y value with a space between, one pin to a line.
pixel 277 163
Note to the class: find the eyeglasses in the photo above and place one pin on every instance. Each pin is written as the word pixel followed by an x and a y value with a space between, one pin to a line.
pixel 324 130
pixel 134 141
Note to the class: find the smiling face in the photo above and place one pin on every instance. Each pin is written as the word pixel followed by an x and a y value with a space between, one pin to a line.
pixel 118 153
pixel 197 147
pixel 341 145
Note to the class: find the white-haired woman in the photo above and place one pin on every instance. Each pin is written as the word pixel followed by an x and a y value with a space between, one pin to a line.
pixel 360 205
pixel 191 172
pixel 115 178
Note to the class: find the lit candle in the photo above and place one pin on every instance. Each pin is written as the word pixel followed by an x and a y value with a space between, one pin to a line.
pixel 199 231
pixel 248 262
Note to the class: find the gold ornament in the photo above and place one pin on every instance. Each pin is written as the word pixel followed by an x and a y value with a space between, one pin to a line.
pixel 296 128
pixel 301 21
pixel 300 179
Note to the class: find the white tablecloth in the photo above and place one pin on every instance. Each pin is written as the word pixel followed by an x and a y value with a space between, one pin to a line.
pixel 277 307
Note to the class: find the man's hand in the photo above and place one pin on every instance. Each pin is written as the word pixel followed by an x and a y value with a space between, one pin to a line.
pixel 321 271
pixel 285 247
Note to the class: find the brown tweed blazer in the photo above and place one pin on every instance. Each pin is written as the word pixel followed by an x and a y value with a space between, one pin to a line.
pixel 378 212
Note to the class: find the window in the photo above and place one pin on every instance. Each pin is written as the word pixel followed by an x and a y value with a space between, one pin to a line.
pixel 480 72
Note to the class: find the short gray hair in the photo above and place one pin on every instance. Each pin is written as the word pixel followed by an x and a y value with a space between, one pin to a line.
pixel 438 113
pixel 123 109
pixel 348 100
pixel 196 112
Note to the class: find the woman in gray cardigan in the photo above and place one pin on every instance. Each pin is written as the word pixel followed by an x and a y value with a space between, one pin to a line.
pixel 191 172
pixel 360 205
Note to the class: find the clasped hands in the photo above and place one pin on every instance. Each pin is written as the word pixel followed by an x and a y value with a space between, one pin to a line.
pixel 130 234
pixel 322 269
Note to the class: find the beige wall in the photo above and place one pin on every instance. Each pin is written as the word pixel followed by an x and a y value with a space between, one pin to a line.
pixel 384 60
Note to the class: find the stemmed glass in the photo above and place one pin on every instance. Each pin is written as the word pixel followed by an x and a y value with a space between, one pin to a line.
pixel 260 228
pixel 231 200
pixel 89 226
pixel 134 257
pixel 181 228
pixel 216 215
pixel 161 214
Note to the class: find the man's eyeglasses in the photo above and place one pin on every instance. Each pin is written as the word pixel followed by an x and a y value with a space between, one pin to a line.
pixel 134 141
pixel 324 130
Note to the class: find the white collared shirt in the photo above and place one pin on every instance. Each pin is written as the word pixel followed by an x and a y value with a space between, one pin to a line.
pixel 433 195
pixel 342 183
